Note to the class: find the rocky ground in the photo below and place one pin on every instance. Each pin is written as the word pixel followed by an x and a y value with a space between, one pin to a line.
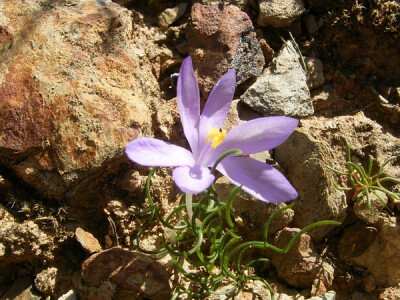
pixel 81 78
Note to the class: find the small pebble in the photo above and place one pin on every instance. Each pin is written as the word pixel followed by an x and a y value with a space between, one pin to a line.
pixel 88 242
pixel 171 15
pixel 70 295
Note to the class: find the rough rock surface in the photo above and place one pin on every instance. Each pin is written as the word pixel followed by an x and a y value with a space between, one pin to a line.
pixel 315 72
pixel 380 255
pixel 22 243
pixel 390 294
pixel 282 88
pixel 252 290
pixel 54 281
pixel 220 38
pixel 124 275
pixel 302 266
pixel 45 281
pixel 321 142
pixel 306 157
pixel 75 87
pixel 87 240
pixel 239 3
pixel 170 15
pixel 370 215
pixel 355 240
pixel 70 295
pixel 279 13
pixel 331 295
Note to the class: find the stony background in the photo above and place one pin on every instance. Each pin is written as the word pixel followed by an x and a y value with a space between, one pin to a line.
pixel 81 78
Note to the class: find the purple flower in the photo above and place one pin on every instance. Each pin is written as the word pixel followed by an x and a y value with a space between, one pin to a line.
pixel 208 142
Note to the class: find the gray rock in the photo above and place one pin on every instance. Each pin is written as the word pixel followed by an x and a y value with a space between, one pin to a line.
pixel 279 13
pixel 331 295
pixel 282 88
pixel 171 15
pixel 315 72
pixel 248 60
pixel 102 2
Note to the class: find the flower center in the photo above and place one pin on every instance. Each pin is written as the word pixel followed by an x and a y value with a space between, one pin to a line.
pixel 216 136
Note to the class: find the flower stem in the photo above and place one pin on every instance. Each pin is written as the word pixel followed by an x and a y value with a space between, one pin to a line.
pixel 237 152
pixel 188 200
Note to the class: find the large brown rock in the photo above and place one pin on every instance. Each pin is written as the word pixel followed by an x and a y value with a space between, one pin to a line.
pixel 305 160
pixel 320 142
pixel 75 87
pixel 221 38
pixel 378 251
pixel 301 266
pixel 126 275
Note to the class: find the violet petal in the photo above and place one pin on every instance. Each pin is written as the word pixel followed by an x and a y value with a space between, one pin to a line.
pixel 217 106
pixel 193 179
pixel 154 152
pixel 258 179
pixel 189 103
pixel 255 136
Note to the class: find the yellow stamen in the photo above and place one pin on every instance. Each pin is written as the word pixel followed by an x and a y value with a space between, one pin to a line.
pixel 216 136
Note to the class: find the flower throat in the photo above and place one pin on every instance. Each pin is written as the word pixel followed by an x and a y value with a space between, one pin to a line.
pixel 216 136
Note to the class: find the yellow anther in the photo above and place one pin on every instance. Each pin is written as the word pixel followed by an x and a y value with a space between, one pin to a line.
pixel 216 136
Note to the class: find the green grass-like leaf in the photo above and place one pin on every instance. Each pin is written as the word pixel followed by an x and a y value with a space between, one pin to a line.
pixel 363 183
pixel 209 243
